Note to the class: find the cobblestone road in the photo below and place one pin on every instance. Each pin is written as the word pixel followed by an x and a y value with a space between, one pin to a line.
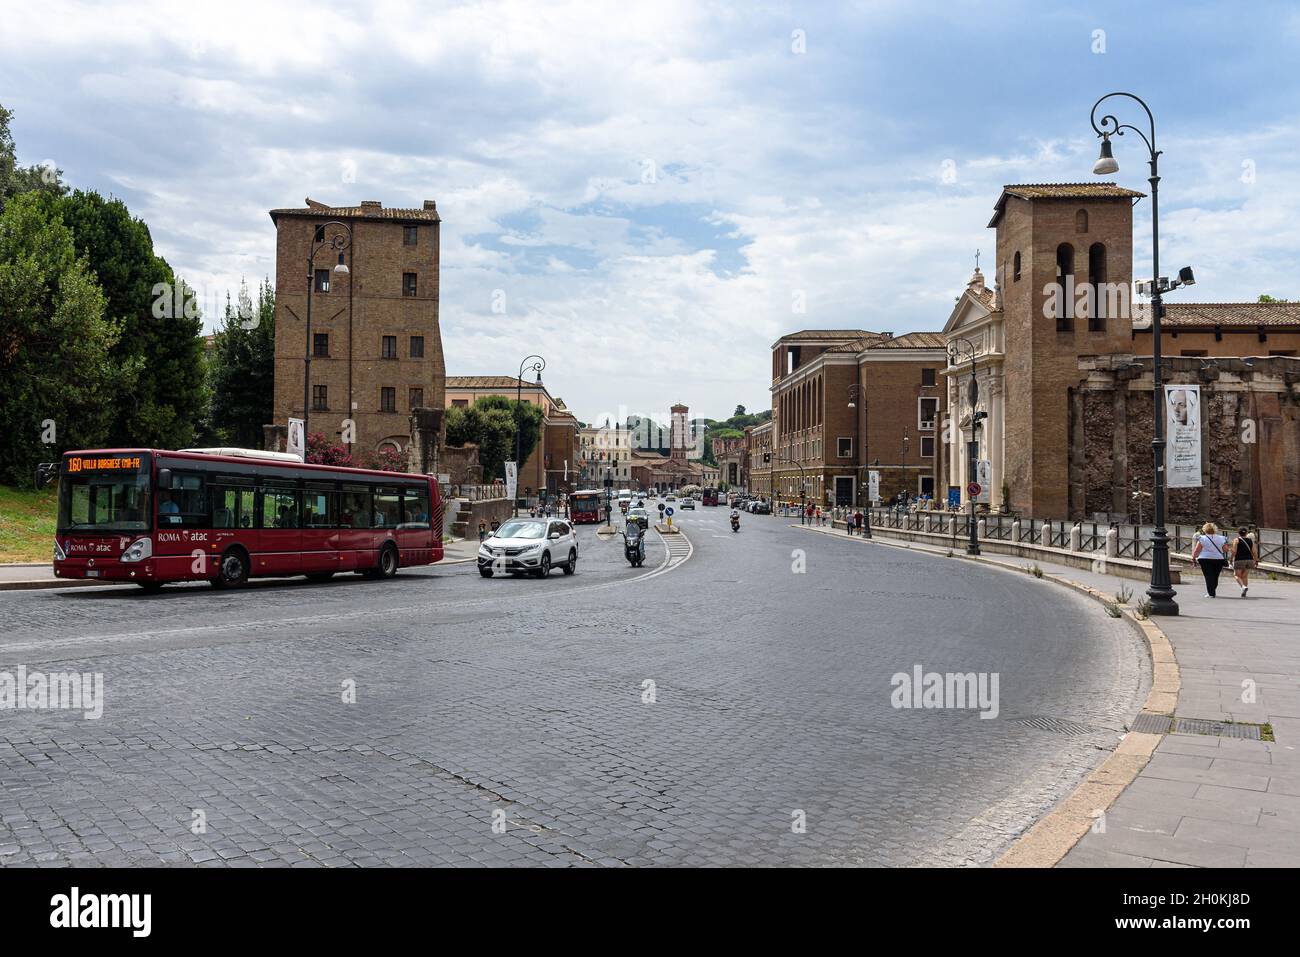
pixel 520 702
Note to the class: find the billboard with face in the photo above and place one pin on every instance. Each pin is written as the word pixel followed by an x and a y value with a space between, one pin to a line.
pixel 1183 436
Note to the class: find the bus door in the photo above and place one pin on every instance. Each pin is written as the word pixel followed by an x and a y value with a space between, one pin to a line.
pixel 280 546
pixel 355 548
pixel 415 534
pixel 320 537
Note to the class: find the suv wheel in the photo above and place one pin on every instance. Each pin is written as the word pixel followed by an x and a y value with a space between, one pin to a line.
pixel 546 565
pixel 572 565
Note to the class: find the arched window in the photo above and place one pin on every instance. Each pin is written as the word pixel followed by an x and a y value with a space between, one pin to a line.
pixel 1097 282
pixel 1081 221
pixel 1015 268
pixel 1064 305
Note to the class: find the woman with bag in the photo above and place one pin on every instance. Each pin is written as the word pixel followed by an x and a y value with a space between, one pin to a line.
pixel 1210 551
pixel 1243 559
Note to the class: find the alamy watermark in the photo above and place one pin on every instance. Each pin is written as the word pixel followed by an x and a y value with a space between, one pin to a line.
pixel 62 690
pixel 932 690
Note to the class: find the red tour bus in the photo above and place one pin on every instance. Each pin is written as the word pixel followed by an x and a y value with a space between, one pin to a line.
pixel 710 496
pixel 584 506
pixel 226 515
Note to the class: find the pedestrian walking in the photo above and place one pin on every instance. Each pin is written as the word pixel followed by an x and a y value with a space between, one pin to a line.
pixel 857 520
pixel 495 525
pixel 1210 551
pixel 482 531
pixel 1243 559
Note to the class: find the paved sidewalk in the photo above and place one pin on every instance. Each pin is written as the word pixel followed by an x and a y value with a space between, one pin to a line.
pixel 1204 800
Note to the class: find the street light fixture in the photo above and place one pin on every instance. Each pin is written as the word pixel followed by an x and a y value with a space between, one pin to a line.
pixel 340 244
pixel 538 364
pixel 1161 591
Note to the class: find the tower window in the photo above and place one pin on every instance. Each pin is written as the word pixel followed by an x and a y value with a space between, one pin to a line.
pixel 1015 268
pixel 1081 221
pixel 1064 292
pixel 1097 311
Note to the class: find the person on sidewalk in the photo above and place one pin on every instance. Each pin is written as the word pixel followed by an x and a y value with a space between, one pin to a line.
pixel 1210 551
pixel 482 531
pixel 857 520
pixel 1243 559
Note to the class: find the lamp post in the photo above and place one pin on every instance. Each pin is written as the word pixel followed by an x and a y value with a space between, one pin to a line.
pixel 907 492
pixel 538 364
pixel 972 456
pixel 340 244
pixel 1161 591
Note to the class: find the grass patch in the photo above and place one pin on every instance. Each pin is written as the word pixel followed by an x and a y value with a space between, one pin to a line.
pixel 1266 732
pixel 1112 609
pixel 27 520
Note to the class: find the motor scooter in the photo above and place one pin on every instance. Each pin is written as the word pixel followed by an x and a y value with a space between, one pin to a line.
pixel 633 544
pixel 735 523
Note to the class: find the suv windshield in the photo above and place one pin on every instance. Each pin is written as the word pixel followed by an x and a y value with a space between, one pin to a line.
pixel 519 529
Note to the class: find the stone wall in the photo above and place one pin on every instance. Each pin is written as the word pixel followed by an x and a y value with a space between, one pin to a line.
pixel 1250 440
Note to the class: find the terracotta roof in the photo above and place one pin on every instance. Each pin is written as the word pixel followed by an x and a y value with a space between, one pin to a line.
pixel 913 340
pixel 857 345
pixel 828 334
pixel 1060 191
pixel 369 209
pixel 489 382
pixel 1247 315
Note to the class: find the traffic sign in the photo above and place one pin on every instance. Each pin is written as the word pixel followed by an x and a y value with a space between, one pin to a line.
pixel 974 489
pixel 661 506
pixel 668 511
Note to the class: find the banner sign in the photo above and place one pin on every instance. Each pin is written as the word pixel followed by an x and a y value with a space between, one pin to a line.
pixel 873 487
pixel 984 476
pixel 297 441
pixel 512 480
pixel 1183 436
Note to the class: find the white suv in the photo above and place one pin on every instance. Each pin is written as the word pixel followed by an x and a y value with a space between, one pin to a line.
pixel 532 545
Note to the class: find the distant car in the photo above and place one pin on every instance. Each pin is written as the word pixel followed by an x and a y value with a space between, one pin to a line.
pixel 671 498
pixel 762 508
pixel 640 516
pixel 529 545
pixel 688 503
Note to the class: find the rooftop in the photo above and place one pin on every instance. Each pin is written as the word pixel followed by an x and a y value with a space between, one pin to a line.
pixel 369 209
pixel 1060 191
pixel 490 382
pixel 912 340
pixel 1249 315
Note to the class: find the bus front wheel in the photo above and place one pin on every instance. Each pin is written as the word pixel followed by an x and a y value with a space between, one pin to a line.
pixel 232 572
pixel 387 562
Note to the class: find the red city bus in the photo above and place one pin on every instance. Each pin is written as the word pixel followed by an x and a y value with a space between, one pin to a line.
pixel 710 496
pixel 226 515
pixel 584 506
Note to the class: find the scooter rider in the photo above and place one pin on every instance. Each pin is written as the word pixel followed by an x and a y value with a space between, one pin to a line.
pixel 633 543
pixel 735 519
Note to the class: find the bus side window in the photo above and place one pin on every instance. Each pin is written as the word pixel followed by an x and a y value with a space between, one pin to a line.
pixel 279 508
pixel 356 508
pixel 415 507
pixel 388 508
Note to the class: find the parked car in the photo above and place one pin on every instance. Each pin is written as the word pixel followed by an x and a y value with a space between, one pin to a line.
pixel 529 545
pixel 640 516
pixel 762 508
pixel 688 503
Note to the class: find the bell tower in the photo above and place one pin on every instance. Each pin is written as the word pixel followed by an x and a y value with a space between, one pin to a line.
pixel 1064 271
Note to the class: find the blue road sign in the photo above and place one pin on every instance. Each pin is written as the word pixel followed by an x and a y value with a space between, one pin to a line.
pixel 668 511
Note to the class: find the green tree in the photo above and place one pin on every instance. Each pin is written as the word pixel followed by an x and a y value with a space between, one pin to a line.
pixel 740 410
pixel 243 368
pixel 15 179
pixel 1264 297
pixel 160 323
pixel 57 374
pixel 490 424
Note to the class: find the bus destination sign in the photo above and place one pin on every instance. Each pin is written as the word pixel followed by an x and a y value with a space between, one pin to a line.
pixel 77 463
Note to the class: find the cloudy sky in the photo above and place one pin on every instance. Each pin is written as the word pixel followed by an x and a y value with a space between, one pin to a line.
pixel 658 189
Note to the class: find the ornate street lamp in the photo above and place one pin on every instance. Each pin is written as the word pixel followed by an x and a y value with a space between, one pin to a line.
pixel 341 245
pixel 1161 591
pixel 538 364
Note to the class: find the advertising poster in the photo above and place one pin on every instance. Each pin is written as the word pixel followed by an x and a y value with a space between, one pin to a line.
pixel 512 479
pixel 1183 436
pixel 296 444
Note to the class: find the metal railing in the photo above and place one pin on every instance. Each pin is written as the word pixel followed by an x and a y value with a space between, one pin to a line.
pixel 1276 546
pixel 475 493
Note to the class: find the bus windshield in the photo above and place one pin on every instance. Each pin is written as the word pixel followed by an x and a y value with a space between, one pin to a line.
pixel 103 502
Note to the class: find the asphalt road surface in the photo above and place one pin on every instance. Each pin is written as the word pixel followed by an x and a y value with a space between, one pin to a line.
pixel 733 708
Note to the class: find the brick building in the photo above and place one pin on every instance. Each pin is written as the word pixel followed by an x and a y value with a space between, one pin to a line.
pixel 847 401
pixel 1058 348
pixel 729 453
pixel 376 347
pixel 758 451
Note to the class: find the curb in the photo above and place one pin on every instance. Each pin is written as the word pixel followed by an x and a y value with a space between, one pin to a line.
pixel 33 584
pixel 1050 838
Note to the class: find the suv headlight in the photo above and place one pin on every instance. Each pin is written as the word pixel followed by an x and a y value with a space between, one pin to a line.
pixel 139 550
pixel 532 548
pixel 59 554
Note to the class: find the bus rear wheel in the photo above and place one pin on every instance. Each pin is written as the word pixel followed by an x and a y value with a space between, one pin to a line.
pixel 232 572
pixel 387 567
